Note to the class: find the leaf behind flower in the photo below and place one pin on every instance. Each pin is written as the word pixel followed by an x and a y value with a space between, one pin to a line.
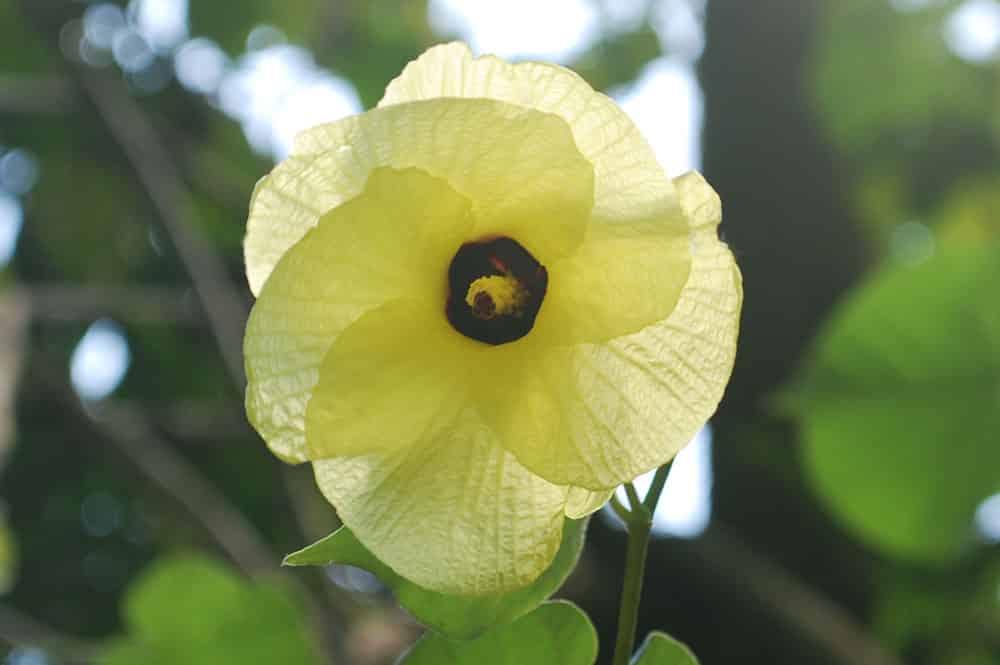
pixel 661 649
pixel 459 617
pixel 556 633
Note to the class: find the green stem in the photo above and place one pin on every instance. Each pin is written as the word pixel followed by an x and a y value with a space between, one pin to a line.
pixel 656 487
pixel 638 522
pixel 633 496
pixel 638 527
pixel 621 511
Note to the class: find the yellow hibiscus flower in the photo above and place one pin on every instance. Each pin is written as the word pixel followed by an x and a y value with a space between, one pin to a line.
pixel 480 307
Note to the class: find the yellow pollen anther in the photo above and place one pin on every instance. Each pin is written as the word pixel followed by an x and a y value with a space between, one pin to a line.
pixel 495 295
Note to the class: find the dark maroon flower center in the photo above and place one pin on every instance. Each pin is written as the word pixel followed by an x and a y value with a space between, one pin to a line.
pixel 495 290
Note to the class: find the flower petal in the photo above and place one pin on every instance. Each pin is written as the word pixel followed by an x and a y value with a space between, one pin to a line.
pixel 623 278
pixel 581 502
pixel 455 514
pixel 395 377
pixel 389 242
pixel 629 181
pixel 519 167
pixel 632 403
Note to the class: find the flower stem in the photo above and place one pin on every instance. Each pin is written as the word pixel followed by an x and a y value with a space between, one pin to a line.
pixel 620 510
pixel 633 496
pixel 638 526
pixel 638 523
pixel 656 487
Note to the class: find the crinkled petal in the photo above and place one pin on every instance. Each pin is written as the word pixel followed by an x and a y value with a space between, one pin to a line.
pixel 519 167
pixel 623 278
pixel 455 514
pixel 597 415
pixel 581 502
pixel 629 181
pixel 359 257
pixel 701 205
pixel 396 377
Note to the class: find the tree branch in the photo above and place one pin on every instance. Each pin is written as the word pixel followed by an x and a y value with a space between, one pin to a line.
pixel 31 95
pixel 816 617
pixel 132 435
pixel 224 304
pixel 126 430
pixel 70 303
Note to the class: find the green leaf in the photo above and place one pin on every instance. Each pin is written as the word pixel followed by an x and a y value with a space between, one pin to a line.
pixel 898 409
pixel 556 633
pixel 661 649
pixel 124 652
pixel 190 610
pixel 968 215
pixel 619 59
pixel 950 615
pixel 461 617
pixel 878 71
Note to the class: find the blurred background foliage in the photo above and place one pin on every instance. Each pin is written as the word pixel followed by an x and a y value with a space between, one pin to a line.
pixel 855 463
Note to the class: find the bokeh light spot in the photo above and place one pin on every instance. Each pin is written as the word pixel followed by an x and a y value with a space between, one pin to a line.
pixel 278 91
pixel 988 519
pixel 100 360
pixel 325 99
pixel 100 514
pixel 131 51
pixel 973 30
pixel 666 104
pixel 101 22
pixel 11 218
pixel 18 171
pixel 623 15
pixel 162 23
pixel 557 30
pixel 200 65
pixel 680 29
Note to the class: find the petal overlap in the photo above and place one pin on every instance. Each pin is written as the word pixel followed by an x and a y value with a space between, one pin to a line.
pixel 474 144
pixel 629 181
pixel 636 400
pixel 395 378
pixel 357 259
